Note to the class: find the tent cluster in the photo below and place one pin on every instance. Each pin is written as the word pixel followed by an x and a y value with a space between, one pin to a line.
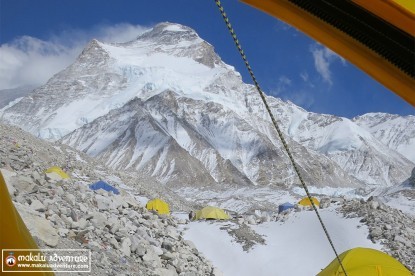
pixel 357 261
pixel 158 205
pixel 56 171
pixel 305 202
pixel 208 212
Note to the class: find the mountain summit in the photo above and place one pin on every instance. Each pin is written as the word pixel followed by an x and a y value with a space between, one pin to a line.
pixel 166 104
pixel 170 34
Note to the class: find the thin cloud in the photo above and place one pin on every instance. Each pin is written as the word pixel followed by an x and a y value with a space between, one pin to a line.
pixel 323 59
pixel 29 61
pixel 300 97
pixel 282 85
pixel 303 99
pixel 281 26
pixel 304 76
pixel 284 81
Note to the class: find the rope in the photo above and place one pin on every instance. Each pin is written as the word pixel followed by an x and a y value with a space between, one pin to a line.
pixel 274 122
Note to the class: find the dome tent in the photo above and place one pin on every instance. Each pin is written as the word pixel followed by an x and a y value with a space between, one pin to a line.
pixel 58 171
pixel 105 186
pixel 285 206
pixel 306 201
pixel 365 261
pixel 159 206
pixel 211 212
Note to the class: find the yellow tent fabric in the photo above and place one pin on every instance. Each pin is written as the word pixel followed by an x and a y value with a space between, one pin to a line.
pixel 158 205
pixel 400 13
pixel 365 261
pixel 391 62
pixel 57 170
pixel 13 231
pixel 211 212
pixel 306 201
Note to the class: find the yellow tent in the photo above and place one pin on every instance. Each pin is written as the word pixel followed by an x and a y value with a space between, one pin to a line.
pixel 306 201
pixel 57 170
pixel 13 231
pixel 158 205
pixel 365 261
pixel 377 36
pixel 211 212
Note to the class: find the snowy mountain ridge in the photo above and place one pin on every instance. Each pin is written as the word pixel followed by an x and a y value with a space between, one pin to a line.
pixel 165 103
pixel 397 132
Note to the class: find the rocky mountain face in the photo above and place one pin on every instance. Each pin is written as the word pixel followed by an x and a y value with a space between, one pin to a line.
pixel 172 128
pixel 166 104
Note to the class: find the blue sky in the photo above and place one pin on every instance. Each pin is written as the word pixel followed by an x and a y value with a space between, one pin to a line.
pixel 39 38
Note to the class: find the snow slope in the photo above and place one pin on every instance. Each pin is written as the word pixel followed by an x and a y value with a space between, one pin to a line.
pixel 296 247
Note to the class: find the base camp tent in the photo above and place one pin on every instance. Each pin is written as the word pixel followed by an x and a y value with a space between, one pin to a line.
pixel 365 261
pixel 306 201
pixel 285 206
pixel 211 212
pixel 58 171
pixel 105 186
pixel 13 231
pixel 159 206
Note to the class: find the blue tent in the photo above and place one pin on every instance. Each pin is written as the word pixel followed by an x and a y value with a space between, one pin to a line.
pixel 105 186
pixel 285 206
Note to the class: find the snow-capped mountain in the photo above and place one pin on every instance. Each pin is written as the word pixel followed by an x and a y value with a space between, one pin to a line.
pixel 105 77
pixel 180 139
pixel 165 103
pixel 396 132
pixel 352 147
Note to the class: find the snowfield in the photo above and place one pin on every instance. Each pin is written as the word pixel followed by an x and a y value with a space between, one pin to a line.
pixel 297 246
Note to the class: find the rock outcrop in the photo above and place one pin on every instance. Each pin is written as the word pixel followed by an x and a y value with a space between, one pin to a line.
pixel 389 226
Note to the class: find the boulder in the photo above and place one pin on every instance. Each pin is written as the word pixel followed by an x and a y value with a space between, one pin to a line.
pixel 324 203
pixel 165 272
pixel 152 259
pixel 52 177
pixel 99 220
pixel 37 206
pixel 126 247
